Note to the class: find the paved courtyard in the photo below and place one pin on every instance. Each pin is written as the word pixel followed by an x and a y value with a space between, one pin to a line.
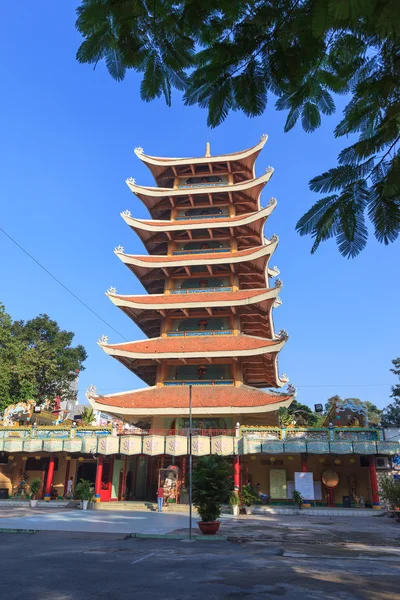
pixel 293 558
pixel 92 521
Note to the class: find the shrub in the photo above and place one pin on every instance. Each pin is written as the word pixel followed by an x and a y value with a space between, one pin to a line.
pixel 211 486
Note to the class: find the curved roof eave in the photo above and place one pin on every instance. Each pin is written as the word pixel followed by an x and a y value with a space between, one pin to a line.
pixel 163 162
pixel 186 301
pixel 168 225
pixel 115 350
pixel 201 259
pixel 160 192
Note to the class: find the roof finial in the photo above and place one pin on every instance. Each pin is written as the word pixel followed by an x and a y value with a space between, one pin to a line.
pixel 208 149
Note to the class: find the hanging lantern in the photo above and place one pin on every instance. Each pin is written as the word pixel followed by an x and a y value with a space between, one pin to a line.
pixel 68 458
pixel 290 457
pixel 337 461
pixel 352 461
pixel 11 457
pixel 272 459
pixel 81 459
pixel 24 458
pixel 37 457
pixel 321 460
pixel 253 457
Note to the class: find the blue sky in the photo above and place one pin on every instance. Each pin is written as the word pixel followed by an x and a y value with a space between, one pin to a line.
pixel 68 134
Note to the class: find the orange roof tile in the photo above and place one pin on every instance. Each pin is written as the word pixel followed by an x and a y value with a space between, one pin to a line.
pixel 202 396
pixel 195 297
pixel 212 343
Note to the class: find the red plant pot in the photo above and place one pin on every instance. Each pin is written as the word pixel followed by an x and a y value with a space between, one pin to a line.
pixel 209 527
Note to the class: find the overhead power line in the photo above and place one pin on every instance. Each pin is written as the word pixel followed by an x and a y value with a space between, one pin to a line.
pixel 62 285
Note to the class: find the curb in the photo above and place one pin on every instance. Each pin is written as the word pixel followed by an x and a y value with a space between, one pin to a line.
pixel 9 530
pixel 176 536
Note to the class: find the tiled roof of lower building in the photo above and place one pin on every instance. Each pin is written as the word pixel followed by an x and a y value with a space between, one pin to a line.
pixel 202 396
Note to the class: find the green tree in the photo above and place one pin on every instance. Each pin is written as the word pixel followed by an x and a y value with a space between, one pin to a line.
pixel 37 360
pixel 391 414
pixel 87 416
pixel 300 414
pixel 229 55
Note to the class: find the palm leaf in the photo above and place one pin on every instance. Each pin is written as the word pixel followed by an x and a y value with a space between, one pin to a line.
pixel 310 117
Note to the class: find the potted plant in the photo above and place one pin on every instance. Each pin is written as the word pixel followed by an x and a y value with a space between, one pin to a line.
pixel 84 492
pixel 211 485
pixel 234 501
pixel 298 499
pixel 35 486
pixel 249 497
pixel 389 491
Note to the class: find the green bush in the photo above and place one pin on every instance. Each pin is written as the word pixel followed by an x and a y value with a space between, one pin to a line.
pixel 84 490
pixel 35 486
pixel 389 491
pixel 298 498
pixel 249 496
pixel 234 499
pixel 211 485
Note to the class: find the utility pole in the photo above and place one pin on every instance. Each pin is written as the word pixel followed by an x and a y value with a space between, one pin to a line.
pixel 190 462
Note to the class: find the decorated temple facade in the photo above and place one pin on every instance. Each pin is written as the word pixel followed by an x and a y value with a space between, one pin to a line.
pixel 207 318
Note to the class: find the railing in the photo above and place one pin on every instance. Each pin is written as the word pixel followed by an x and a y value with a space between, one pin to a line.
pixel 199 333
pixel 201 382
pixel 316 434
pixel 198 290
pixel 201 217
pixel 201 251
pixel 203 184
pixel 183 431
pixel 43 432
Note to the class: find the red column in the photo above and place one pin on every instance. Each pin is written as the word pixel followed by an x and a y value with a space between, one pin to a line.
pixel 99 476
pixel 236 473
pixel 49 480
pixel 303 458
pixel 374 483
pixel 124 480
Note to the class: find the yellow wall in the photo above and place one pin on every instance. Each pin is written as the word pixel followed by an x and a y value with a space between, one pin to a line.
pixel 259 473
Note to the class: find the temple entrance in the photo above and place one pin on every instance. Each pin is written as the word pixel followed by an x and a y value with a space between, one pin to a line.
pixel 86 470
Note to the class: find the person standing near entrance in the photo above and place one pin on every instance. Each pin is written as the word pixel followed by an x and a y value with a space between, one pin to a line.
pixel 160 498
pixel 69 487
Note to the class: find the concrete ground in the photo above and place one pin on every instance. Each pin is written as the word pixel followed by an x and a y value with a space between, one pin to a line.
pixel 298 558
pixel 92 521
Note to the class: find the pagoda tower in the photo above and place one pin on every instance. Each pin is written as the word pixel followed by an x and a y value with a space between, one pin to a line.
pixel 207 313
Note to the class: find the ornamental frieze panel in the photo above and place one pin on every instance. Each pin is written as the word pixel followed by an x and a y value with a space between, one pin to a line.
pixel 33 445
pixel 201 445
pixel 294 446
pixel 271 446
pixel 222 445
pixel 13 445
pixel 153 445
pixel 73 445
pixel 176 445
pixel 341 447
pixel 106 444
pixel 130 445
pixel 391 448
pixel 89 445
pixel 53 445
pixel 318 447
pixel 364 447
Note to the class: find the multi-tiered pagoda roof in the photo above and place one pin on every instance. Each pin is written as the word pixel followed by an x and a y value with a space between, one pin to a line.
pixel 208 312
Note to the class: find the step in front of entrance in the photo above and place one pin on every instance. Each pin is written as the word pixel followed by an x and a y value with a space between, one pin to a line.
pixel 141 506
